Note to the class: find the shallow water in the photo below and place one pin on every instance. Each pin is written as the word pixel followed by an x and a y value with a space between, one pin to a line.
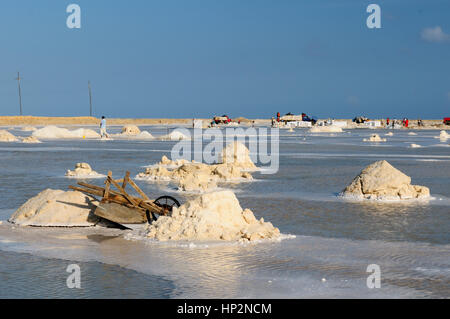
pixel 335 239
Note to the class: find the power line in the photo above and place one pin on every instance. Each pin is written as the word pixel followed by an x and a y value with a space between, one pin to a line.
pixel 20 92
pixel 90 98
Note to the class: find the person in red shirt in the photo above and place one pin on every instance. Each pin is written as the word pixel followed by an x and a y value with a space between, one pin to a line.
pixel 387 121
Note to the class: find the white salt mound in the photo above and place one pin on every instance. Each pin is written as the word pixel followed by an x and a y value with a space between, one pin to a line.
pixel 57 208
pixel 83 170
pixel 5 136
pixel 31 140
pixel 238 155
pixel 389 134
pixel 212 217
pixel 326 129
pixel 130 130
pixel 165 161
pixel 374 138
pixel 443 135
pixel 145 136
pixel 195 177
pixel 54 132
pixel 29 129
pixel 412 133
pixel 382 181
pixel 174 136
pixel 415 146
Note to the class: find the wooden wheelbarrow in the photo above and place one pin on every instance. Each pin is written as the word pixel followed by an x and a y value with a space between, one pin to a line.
pixel 119 207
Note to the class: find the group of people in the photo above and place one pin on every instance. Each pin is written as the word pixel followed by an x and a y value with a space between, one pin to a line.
pixel 404 122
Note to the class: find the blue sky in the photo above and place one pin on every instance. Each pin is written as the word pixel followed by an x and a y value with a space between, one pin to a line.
pixel 252 58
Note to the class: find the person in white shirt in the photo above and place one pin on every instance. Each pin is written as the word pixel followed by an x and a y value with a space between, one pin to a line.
pixel 103 128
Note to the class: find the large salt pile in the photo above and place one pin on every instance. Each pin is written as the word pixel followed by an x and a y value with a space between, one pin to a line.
pixel 31 140
pixel 83 170
pixel 57 208
pixel 238 155
pixel 326 129
pixel 374 138
pixel 212 217
pixel 174 136
pixel 53 132
pixel 5 136
pixel 130 130
pixel 382 181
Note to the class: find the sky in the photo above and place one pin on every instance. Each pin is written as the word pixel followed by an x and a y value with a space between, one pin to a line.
pixel 251 58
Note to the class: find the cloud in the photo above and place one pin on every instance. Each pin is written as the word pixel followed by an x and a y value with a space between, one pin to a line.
pixel 434 35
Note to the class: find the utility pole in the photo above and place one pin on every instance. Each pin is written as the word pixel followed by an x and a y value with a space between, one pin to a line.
pixel 20 92
pixel 90 98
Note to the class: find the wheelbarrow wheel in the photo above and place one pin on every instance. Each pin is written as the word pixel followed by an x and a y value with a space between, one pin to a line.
pixel 167 203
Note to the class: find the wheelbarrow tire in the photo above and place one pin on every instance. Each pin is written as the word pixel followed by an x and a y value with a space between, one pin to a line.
pixel 167 202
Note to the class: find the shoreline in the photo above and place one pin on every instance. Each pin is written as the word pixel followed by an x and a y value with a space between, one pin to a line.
pixel 87 120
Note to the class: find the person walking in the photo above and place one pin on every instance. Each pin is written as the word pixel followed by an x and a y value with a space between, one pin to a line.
pixel 103 128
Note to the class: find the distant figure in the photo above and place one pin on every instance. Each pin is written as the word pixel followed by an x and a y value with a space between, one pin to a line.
pixel 387 121
pixel 103 128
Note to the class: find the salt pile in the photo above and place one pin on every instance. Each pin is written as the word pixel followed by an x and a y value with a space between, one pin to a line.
pixel 412 133
pixel 199 177
pixel 165 161
pixel 212 217
pixel 381 181
pixel 238 155
pixel 54 132
pixel 174 136
pixel 31 140
pixel 326 129
pixel 130 130
pixel 5 136
pixel 389 134
pixel 29 129
pixel 415 146
pixel 374 138
pixel 443 135
pixel 83 170
pixel 196 176
pixel 57 208
pixel 144 135
pixel 133 132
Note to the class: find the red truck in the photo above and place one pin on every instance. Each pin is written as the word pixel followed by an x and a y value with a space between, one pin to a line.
pixel 447 120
